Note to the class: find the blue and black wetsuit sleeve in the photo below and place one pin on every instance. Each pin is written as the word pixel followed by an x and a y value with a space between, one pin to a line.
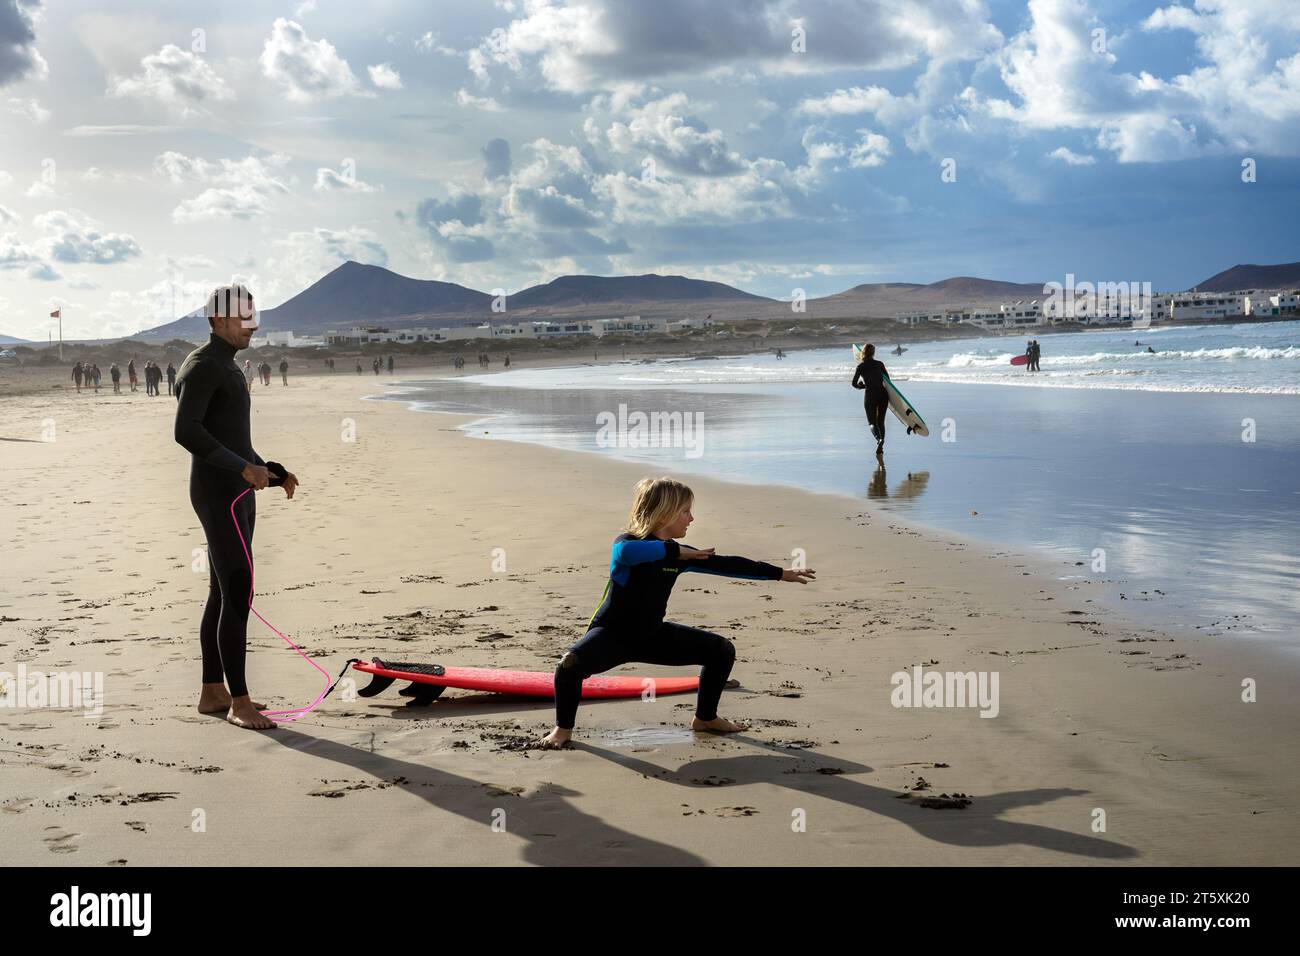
pixel 630 551
pixel 192 401
pixel 733 566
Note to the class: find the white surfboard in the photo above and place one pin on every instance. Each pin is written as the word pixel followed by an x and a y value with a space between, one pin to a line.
pixel 898 403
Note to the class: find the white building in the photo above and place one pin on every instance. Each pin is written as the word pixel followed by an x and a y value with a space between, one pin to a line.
pixel 1206 305
pixel 1271 303
pixel 690 322
pixel 285 340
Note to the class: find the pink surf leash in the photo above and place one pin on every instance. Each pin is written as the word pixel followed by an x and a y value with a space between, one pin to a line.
pixel 279 715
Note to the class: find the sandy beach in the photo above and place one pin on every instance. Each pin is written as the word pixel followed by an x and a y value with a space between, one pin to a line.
pixel 394 547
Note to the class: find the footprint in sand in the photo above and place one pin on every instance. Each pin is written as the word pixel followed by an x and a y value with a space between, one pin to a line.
pixel 59 840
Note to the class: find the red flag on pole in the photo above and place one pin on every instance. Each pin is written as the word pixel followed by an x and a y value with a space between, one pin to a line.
pixel 56 313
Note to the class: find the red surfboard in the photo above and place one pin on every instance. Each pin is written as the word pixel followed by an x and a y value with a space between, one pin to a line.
pixel 428 681
pixel 1020 360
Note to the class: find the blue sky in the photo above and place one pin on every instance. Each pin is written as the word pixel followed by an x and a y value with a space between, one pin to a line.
pixel 151 151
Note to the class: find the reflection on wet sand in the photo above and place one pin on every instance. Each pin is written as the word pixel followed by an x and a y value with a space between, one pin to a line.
pixel 910 487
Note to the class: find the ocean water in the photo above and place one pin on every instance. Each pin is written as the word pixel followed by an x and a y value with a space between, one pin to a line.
pixel 1179 471
pixel 1254 358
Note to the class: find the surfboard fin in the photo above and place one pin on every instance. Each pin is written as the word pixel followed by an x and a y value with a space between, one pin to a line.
pixel 376 686
pixel 422 695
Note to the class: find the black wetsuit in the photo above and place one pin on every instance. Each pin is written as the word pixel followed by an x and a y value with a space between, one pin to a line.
pixel 212 423
pixel 629 625
pixel 870 375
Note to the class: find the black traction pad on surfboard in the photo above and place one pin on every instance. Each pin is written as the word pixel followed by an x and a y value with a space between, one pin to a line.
pixel 433 670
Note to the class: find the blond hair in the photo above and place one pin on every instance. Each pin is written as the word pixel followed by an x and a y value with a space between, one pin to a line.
pixel 657 502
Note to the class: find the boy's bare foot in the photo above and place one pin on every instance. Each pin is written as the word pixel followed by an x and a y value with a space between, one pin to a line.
pixel 557 739
pixel 718 725
pixel 215 699
pixel 244 713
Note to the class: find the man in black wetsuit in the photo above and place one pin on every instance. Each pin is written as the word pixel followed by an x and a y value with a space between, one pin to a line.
pixel 870 375
pixel 212 423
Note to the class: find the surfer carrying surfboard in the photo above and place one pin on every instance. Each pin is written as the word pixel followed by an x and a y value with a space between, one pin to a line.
pixel 629 624
pixel 870 375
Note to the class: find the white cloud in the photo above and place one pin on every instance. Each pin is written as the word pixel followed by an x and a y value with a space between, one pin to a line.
pixel 241 188
pixel 667 129
pixel 174 77
pixel 8 216
pixel 30 108
pixel 872 149
pixel 42 188
pixel 73 237
pixel 428 42
pixel 15 254
pixel 465 98
pixel 331 180
pixel 1066 155
pixel 307 69
pixel 19 58
pixel 585 45
pixel 384 76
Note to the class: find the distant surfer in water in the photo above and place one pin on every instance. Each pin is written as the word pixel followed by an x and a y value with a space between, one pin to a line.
pixel 870 375
pixel 212 424
pixel 629 625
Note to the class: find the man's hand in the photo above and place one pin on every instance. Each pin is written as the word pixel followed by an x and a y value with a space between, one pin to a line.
pixel 290 484
pixel 256 475
pixel 798 575
pixel 694 553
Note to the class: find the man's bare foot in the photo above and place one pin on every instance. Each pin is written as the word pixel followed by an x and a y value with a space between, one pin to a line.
pixel 244 713
pixel 557 739
pixel 215 699
pixel 718 725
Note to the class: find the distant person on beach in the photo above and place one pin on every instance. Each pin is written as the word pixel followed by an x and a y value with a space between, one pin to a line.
pixel 629 625
pixel 94 374
pixel 212 424
pixel 507 363
pixel 115 374
pixel 870 376
pixel 390 365
pixel 150 378
pixel 171 378
pixel 77 374
pixel 248 373
pixel 130 374
pixel 284 371
pixel 358 366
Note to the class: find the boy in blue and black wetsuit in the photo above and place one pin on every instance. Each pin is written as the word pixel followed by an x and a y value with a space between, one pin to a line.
pixel 629 625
